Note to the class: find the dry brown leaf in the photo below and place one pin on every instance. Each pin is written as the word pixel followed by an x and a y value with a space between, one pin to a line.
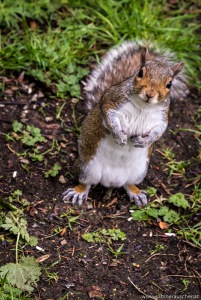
pixel 21 78
pixel 63 232
pixel 42 258
pixel 163 225
pixel 33 211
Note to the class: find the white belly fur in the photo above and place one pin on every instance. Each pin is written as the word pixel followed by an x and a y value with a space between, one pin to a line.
pixel 114 165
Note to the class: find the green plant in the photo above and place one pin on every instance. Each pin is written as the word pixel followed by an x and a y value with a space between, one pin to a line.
pixel 8 292
pixel 25 273
pixel 186 283
pixel 71 38
pixel 158 248
pixel 29 135
pixel 191 234
pixel 70 219
pixel 33 141
pixel 157 209
pixel 51 276
pixel 117 252
pixel 53 171
pixel 104 236
pixel 173 166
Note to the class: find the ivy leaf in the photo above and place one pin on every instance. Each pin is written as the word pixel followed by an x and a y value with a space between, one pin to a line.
pixel 179 200
pixel 23 275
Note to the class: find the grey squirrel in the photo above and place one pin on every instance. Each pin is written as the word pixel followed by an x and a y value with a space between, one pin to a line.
pixel 128 95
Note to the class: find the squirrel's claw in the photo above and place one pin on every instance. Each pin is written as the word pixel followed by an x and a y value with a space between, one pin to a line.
pixel 141 141
pixel 121 138
pixel 136 195
pixel 140 199
pixel 77 194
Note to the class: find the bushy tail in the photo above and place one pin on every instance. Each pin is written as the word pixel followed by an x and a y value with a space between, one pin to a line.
pixel 122 62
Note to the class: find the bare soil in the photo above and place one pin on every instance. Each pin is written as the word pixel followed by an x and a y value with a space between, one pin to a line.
pixel 84 270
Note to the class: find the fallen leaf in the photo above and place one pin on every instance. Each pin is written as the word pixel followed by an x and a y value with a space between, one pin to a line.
pixel 42 258
pixel 62 179
pixel 63 232
pixel 163 225
pixel 33 211
pixel 21 78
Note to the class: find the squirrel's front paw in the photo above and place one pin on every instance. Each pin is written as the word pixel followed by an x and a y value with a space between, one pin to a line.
pixel 121 138
pixel 141 141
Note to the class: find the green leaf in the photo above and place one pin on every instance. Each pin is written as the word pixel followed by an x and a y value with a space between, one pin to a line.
pixel 16 224
pixel 88 237
pixel 163 211
pixel 152 212
pixel 179 200
pixel 139 215
pixel 72 80
pixel 151 191
pixel 54 171
pixel 33 241
pixel 23 275
pixel 171 216
pixel 17 126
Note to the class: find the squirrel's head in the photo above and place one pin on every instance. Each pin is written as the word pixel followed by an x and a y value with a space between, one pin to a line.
pixel 153 81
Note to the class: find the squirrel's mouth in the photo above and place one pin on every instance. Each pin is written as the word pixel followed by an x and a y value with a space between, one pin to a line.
pixel 147 99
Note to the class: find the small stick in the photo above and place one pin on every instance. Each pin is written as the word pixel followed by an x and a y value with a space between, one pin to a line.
pixel 141 292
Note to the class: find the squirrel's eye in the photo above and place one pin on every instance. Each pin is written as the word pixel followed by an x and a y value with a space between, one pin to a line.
pixel 168 85
pixel 140 74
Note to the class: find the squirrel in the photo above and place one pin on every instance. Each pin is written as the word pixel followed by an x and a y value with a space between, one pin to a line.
pixel 128 97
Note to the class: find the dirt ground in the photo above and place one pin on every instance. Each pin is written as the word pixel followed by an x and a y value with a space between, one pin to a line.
pixel 89 270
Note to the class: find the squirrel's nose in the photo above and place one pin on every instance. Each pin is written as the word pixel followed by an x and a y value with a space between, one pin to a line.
pixel 150 93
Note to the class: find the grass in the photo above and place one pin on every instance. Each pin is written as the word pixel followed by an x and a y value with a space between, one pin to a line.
pixel 53 41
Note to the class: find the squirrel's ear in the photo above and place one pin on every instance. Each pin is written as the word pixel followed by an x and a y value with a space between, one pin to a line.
pixel 177 68
pixel 144 55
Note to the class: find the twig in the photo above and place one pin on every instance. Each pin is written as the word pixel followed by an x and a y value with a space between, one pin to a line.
pixel 141 292
pixel 191 244
pixel 9 147
pixel 156 254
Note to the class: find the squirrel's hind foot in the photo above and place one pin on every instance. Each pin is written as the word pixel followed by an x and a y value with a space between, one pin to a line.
pixel 136 195
pixel 77 194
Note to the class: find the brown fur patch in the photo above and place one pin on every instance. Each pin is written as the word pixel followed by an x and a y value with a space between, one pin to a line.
pixel 80 188
pixel 134 189
pixel 92 131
